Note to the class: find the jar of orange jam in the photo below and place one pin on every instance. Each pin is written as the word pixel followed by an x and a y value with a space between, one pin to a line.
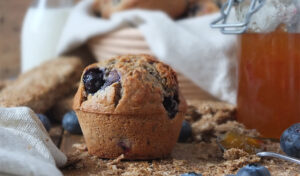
pixel 268 97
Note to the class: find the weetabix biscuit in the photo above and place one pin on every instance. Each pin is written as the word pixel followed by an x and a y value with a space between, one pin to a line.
pixel 42 86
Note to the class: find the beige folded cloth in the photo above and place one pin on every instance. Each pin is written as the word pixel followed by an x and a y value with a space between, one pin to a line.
pixel 25 146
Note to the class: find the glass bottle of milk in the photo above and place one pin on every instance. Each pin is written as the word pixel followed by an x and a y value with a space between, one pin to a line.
pixel 42 27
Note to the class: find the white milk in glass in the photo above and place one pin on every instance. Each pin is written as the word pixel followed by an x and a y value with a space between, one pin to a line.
pixel 41 31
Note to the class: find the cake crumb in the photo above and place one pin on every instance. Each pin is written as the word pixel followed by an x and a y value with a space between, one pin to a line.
pixel 117 160
pixel 81 147
pixel 200 155
pixel 234 153
pixel 233 165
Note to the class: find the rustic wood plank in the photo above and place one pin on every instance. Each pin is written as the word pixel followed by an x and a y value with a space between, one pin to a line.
pixel 68 140
pixel 11 17
pixel 56 133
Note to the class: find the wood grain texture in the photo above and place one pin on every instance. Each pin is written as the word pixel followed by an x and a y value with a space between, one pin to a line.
pixel 56 133
pixel 11 16
pixel 68 140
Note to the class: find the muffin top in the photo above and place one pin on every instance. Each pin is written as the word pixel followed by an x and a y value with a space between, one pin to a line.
pixel 131 84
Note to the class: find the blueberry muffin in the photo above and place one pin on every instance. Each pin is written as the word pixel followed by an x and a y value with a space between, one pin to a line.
pixel 202 7
pixel 174 8
pixel 130 105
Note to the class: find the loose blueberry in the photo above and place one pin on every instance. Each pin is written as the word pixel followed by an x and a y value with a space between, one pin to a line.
pixel 253 170
pixel 70 123
pixel 191 174
pixel 171 105
pixel 290 141
pixel 93 80
pixel 45 121
pixel 185 132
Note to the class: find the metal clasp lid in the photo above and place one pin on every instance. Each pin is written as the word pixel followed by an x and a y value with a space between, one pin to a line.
pixel 235 28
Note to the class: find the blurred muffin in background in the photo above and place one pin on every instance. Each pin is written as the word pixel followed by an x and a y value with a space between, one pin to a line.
pixel 203 7
pixel 174 8
pixel 220 3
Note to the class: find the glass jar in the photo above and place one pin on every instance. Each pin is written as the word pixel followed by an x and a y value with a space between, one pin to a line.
pixel 269 64
pixel 41 31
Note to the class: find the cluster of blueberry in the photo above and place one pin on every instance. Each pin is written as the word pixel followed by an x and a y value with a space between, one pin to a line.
pixel 70 122
pixel 95 79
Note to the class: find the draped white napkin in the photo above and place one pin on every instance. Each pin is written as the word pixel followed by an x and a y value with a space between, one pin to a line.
pixel 202 54
pixel 25 146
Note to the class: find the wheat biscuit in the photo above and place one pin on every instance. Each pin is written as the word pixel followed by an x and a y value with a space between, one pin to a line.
pixel 42 86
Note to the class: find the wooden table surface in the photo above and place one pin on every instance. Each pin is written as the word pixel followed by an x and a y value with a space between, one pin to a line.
pixel 11 17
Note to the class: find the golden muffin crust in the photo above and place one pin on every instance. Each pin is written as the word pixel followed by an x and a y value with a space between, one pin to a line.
pixel 142 85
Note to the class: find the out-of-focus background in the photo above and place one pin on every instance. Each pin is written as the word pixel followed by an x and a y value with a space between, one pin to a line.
pixel 11 17
pixel 204 59
pixel 12 13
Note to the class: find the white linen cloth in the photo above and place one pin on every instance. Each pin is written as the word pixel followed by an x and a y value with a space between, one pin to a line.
pixel 25 146
pixel 202 54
